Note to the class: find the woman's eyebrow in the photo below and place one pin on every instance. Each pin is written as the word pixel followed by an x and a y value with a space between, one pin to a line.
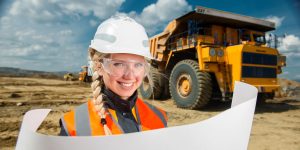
pixel 128 61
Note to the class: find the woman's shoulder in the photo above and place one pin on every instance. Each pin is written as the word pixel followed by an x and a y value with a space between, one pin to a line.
pixel 152 113
pixel 144 102
pixel 149 106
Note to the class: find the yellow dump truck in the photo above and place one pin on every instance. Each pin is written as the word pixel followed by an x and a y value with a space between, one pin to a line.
pixel 200 55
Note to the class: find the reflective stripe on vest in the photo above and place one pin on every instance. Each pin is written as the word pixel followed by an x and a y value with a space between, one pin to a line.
pixel 148 118
pixel 64 125
pixel 114 120
pixel 84 121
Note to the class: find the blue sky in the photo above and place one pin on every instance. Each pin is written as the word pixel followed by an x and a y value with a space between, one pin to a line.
pixel 53 35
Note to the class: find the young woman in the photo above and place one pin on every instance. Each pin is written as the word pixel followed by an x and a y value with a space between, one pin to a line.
pixel 119 52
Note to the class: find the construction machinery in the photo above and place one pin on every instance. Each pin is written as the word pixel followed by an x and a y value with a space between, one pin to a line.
pixel 84 76
pixel 69 77
pixel 200 55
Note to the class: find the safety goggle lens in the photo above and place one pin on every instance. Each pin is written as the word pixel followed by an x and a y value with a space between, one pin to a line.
pixel 120 68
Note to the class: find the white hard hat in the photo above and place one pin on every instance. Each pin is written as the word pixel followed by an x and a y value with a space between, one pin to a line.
pixel 121 34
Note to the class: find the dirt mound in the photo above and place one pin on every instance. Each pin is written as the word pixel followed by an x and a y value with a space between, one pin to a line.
pixel 288 88
pixel 17 72
pixel 14 95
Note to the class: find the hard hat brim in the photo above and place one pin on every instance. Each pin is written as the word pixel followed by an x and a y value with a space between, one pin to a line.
pixel 107 48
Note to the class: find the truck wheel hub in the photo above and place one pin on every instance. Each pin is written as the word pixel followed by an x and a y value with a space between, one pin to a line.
pixel 184 85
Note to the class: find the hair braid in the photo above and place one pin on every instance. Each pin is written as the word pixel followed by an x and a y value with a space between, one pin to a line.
pixel 98 96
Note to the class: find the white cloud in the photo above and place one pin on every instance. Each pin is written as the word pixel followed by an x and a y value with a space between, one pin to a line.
pixel 93 23
pixel 33 10
pixel 50 35
pixel 67 32
pixel 100 8
pixel 276 20
pixel 55 31
pixel 290 45
pixel 156 16
pixel 55 9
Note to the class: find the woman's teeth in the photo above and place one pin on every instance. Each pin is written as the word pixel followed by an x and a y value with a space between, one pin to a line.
pixel 127 84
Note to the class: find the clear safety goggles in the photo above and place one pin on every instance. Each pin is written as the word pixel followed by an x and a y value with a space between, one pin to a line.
pixel 119 68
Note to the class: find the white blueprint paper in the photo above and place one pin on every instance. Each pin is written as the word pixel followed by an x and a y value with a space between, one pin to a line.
pixel 229 130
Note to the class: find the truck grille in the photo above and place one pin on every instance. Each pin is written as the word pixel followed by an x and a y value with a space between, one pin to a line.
pixel 258 72
pixel 260 59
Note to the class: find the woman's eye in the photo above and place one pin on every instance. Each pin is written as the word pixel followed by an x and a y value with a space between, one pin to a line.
pixel 139 65
pixel 118 64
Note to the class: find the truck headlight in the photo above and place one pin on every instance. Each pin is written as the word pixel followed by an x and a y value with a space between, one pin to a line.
pixel 212 52
pixel 220 53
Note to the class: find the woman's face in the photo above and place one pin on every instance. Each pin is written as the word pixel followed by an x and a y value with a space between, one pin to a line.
pixel 123 73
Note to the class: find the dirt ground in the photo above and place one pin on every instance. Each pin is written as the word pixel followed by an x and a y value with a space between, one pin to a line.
pixel 276 124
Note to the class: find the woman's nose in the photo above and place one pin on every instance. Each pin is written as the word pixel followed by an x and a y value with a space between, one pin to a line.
pixel 129 72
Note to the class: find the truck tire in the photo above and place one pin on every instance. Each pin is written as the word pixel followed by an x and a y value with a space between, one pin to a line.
pixel 146 91
pixel 261 99
pixel 166 92
pixel 189 87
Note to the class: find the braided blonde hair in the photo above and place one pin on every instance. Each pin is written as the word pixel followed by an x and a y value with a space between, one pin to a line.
pixel 96 86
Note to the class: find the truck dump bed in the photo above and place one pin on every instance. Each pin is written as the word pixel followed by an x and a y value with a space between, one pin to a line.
pixel 213 16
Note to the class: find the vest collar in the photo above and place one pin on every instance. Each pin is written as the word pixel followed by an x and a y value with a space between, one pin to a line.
pixel 115 102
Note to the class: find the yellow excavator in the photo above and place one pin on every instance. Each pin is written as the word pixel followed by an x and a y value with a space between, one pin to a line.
pixel 69 77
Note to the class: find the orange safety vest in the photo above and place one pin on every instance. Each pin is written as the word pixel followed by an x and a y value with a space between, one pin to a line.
pixel 84 121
